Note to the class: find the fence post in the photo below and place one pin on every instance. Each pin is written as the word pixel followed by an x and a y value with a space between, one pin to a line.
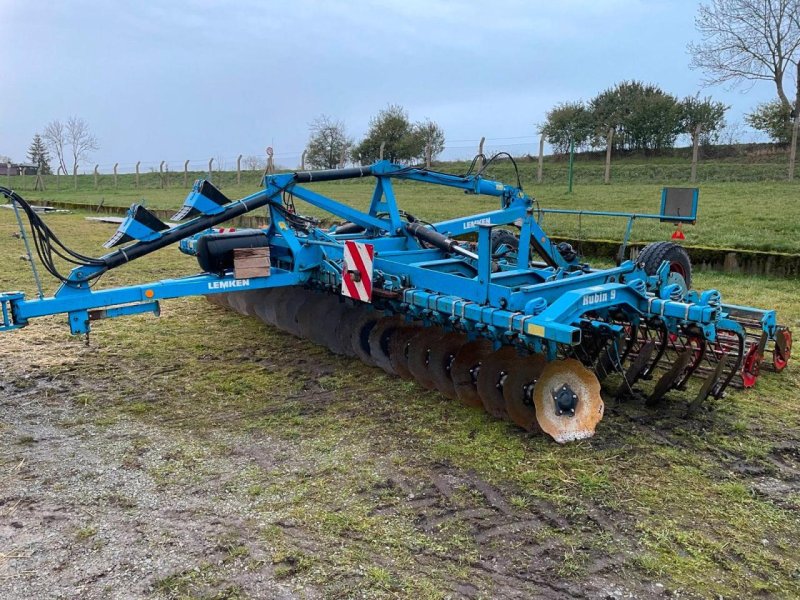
pixel 270 161
pixel 95 176
pixel 239 170
pixel 115 175
pixel 796 128
pixel 39 181
pixel 75 175
pixel 186 173
pixel 695 152
pixel 480 151
pixel 539 171
pixel 609 139
pixel 210 169
pixel 383 145
pixel 303 160
pixel 137 173
pixel 161 173
pixel 8 174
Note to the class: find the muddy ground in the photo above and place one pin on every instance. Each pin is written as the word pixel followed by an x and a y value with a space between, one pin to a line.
pixel 207 455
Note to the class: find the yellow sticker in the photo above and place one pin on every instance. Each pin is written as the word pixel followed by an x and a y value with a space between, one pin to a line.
pixel 534 329
pixel 282 225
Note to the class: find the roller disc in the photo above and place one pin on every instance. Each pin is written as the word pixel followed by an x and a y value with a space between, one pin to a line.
pixel 398 350
pixel 331 334
pixel 465 368
pixel 359 335
pixel 440 362
pixel 491 377
pixel 299 313
pixel 379 339
pixel 670 379
pixel 419 348
pixel 518 391
pixel 567 400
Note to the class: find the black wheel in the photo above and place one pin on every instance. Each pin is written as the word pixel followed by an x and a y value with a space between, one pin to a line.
pixel 505 237
pixel 680 266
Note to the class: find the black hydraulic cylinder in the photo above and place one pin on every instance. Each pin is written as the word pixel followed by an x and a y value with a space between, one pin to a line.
pixel 170 236
pixel 434 238
pixel 332 174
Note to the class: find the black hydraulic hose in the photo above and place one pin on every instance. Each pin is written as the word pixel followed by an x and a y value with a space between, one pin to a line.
pixel 170 236
pixel 332 174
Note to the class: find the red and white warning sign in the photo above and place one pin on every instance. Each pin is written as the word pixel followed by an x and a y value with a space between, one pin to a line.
pixel 357 275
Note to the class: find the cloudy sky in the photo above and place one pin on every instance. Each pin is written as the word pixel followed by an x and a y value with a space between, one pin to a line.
pixel 194 79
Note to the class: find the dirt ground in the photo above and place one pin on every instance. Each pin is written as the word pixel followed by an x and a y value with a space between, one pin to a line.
pixel 207 455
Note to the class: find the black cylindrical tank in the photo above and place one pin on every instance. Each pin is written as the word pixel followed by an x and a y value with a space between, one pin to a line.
pixel 215 250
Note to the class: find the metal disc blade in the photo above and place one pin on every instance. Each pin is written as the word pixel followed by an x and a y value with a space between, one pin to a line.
pixel 313 319
pixel 492 374
pixel 670 379
pixel 359 335
pixel 465 368
pixel 589 405
pixel 286 305
pixel 379 341
pixel 440 362
pixel 330 333
pixel 419 352
pixel 398 350
pixel 299 313
pixel 344 329
pixel 518 390
pixel 236 300
pixel 265 307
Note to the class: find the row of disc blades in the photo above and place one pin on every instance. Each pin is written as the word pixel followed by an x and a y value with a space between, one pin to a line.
pixel 508 385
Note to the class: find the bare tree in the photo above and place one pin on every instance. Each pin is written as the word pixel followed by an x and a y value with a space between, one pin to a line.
pixel 327 143
pixel 81 140
pixel 748 40
pixel 55 137
pixel 254 163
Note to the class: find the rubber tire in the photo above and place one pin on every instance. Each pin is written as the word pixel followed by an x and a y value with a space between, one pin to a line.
pixel 503 236
pixel 653 255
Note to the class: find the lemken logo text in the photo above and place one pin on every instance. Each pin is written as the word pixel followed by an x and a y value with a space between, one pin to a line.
pixel 476 222
pixel 225 285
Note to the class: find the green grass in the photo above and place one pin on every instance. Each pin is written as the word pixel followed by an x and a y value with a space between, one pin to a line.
pixel 686 517
pixel 744 212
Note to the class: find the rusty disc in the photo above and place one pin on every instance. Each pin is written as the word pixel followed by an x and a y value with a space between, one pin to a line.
pixel 465 368
pixel 669 379
pixel 398 350
pixel 518 390
pixel 419 348
pixel 379 341
pixel 572 377
pixel 359 334
pixel 491 376
pixel 440 362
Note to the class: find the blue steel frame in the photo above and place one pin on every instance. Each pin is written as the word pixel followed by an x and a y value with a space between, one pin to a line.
pixel 538 305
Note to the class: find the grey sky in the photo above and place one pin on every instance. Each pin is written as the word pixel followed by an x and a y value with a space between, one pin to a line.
pixel 196 79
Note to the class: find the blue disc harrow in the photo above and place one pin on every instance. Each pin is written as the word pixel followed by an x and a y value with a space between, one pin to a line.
pixel 486 308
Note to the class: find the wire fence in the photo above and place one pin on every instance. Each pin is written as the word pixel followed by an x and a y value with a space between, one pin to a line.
pixel 248 169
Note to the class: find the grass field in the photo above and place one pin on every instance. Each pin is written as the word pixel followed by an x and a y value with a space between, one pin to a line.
pixel 746 213
pixel 316 473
